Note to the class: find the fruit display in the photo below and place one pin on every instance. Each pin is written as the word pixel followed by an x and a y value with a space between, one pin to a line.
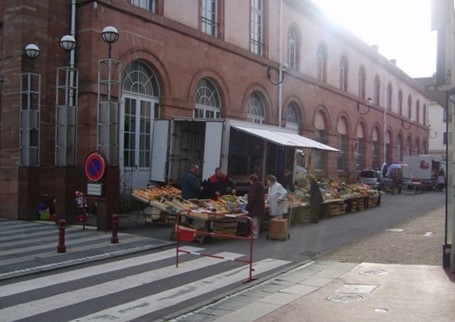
pixel 155 193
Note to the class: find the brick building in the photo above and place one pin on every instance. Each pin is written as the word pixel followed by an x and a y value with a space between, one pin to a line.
pixel 195 59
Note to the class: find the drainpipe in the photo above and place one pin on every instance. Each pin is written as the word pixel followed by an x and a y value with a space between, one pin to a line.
pixel 73 32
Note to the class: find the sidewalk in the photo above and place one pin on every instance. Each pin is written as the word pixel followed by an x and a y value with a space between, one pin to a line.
pixel 341 287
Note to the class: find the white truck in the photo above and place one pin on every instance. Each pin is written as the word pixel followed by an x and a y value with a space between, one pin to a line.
pixel 239 147
pixel 421 168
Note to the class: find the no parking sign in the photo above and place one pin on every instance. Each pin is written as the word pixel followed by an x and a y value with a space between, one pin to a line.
pixel 94 166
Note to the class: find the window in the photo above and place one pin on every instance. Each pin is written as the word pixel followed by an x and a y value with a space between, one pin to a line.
pixel 342 144
pixel 424 114
pixel 362 79
pixel 359 151
pixel 257 25
pixel 409 107
pixel 400 102
pixel 292 117
pixel 145 4
pixel 399 149
pixel 207 99
pixel 320 136
pixel 418 111
pixel 140 105
pixel 377 90
pixel 376 150
pixel 209 17
pixel 256 108
pixel 293 48
pixel 344 73
pixel 321 65
pixel 389 96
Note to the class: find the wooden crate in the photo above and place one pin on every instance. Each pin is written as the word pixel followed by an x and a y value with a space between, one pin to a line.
pixel 278 229
pixel 336 209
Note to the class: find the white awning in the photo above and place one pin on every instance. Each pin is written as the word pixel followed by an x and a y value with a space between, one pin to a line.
pixel 280 136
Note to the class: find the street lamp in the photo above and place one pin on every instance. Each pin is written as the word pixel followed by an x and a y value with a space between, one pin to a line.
pixel 30 109
pixel 109 71
pixel 370 100
pixel 68 43
pixel 32 51
pixel 281 72
pixel 406 124
pixel 66 107
pixel 110 35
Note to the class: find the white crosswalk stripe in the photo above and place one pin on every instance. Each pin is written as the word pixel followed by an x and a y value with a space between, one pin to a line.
pixel 119 281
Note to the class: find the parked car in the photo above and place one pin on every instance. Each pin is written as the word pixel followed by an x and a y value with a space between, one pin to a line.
pixel 372 178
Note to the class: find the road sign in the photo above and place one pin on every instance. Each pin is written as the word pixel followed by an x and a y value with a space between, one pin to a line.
pixel 94 166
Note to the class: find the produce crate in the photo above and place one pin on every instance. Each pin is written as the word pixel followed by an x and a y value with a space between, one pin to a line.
pixel 301 214
pixel 374 201
pixel 227 226
pixel 278 229
pixel 336 209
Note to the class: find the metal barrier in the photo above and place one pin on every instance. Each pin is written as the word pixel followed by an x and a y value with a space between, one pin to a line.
pixel 191 234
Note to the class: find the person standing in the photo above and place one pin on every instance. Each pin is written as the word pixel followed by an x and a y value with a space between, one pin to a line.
pixel 255 203
pixel 277 197
pixel 217 184
pixel 191 188
pixel 441 180
pixel 316 200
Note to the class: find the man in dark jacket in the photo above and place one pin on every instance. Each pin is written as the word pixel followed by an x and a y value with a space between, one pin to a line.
pixel 256 203
pixel 191 188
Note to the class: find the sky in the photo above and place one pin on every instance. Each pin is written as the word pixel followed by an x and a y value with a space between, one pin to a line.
pixel 400 28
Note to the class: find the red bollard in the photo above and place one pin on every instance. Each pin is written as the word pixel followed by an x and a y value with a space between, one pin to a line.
pixel 114 238
pixel 61 248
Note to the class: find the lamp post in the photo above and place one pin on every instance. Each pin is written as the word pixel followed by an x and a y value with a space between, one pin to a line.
pixel 449 240
pixel 108 141
pixel 110 35
pixel 66 107
pixel 30 107
pixel 109 72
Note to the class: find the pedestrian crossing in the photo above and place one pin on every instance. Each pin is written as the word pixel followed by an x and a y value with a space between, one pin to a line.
pixel 145 286
pixel 29 246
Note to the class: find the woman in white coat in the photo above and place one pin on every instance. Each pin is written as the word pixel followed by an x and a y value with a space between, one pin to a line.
pixel 277 198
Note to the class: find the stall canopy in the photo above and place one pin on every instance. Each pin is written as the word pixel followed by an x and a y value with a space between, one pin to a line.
pixel 280 136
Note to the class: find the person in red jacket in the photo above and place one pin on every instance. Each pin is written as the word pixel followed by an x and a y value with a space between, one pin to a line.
pixel 217 185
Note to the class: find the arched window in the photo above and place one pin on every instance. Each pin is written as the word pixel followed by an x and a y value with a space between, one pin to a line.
pixel 256 108
pixel 389 96
pixel 362 82
pixel 409 107
pixel 292 117
pixel 376 149
pixel 400 102
pixel 320 136
pixel 140 98
pixel 342 128
pixel 377 89
pixel 139 79
pixel 207 99
pixel 408 146
pixel 360 146
pixel 418 111
pixel 399 148
pixel 293 48
pixel 344 70
pixel 424 114
pixel 321 65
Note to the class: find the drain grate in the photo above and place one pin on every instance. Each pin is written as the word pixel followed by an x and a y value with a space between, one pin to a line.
pixel 374 272
pixel 345 298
